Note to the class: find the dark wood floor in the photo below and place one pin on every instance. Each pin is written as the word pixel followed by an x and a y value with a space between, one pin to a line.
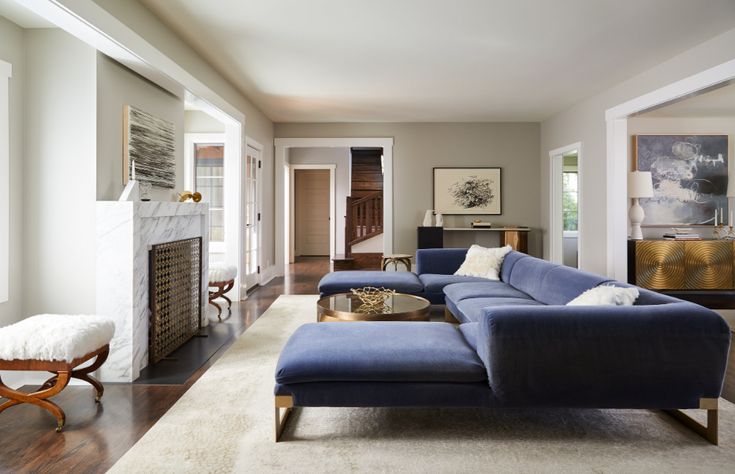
pixel 97 435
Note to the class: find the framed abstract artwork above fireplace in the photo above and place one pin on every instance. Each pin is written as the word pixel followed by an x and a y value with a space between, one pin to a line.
pixel 150 144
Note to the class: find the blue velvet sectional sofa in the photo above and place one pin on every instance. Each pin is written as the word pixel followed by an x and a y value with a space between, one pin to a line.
pixel 518 345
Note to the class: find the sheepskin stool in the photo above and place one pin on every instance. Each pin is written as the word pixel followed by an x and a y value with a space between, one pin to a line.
pixel 221 277
pixel 55 343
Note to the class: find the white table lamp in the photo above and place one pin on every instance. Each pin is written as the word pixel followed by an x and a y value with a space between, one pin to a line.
pixel 640 185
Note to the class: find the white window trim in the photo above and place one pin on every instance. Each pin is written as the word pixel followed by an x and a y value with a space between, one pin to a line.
pixel 6 72
pixel 190 140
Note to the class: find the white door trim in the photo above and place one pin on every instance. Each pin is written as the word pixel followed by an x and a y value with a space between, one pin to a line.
pixel 332 207
pixel 617 154
pixel 556 253
pixel 254 144
pixel 282 146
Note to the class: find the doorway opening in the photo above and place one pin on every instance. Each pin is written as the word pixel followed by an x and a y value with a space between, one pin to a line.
pixel 291 153
pixel 565 205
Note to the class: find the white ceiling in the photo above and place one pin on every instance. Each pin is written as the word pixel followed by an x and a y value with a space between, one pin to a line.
pixel 716 103
pixel 435 60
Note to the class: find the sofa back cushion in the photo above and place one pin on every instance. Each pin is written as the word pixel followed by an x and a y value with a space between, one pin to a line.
pixel 440 261
pixel 508 263
pixel 550 283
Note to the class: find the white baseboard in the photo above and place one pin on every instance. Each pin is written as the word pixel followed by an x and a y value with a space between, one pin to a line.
pixel 268 275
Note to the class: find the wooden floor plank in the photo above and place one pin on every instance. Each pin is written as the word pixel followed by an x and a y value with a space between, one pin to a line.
pixel 95 435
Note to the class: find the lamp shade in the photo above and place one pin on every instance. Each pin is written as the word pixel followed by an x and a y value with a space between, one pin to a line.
pixel 640 184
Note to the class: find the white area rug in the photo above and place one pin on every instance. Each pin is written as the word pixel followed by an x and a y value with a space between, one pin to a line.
pixel 224 423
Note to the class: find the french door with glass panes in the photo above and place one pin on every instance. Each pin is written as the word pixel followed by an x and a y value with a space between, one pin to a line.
pixel 251 212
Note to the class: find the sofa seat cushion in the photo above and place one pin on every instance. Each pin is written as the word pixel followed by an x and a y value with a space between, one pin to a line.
pixel 378 352
pixel 342 282
pixel 472 308
pixel 482 289
pixel 435 283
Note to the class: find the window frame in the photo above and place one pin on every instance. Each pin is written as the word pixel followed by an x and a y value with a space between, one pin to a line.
pixel 190 175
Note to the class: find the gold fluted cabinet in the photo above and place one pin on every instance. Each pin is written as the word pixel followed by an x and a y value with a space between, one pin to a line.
pixel 682 265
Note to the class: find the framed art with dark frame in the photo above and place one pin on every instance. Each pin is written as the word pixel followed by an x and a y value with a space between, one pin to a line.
pixel 468 190
pixel 689 174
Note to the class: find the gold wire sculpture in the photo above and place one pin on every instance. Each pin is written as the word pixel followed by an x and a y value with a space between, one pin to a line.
pixel 373 299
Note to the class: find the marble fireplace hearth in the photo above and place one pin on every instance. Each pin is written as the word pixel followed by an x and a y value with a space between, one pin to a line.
pixel 125 233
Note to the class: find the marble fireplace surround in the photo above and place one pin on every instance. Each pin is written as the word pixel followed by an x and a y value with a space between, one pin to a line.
pixel 126 230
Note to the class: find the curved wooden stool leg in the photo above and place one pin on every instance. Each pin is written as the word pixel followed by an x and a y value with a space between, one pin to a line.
pixel 229 286
pixel 38 398
pixel 83 374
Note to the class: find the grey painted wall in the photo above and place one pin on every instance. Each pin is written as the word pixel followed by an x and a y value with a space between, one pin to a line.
pixel 196 121
pixel 118 86
pixel 59 174
pixel 13 51
pixel 330 156
pixel 418 147
pixel 585 122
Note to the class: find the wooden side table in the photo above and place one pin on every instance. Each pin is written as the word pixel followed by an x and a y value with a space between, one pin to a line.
pixel 395 259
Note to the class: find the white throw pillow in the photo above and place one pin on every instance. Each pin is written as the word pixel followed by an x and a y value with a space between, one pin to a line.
pixel 483 262
pixel 606 295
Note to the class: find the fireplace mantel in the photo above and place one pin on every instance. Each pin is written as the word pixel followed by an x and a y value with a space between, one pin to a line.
pixel 126 230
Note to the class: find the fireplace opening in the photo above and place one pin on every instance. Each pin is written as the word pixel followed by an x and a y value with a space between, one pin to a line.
pixel 175 295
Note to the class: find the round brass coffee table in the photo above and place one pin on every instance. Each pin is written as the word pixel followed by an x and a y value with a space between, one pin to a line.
pixel 348 307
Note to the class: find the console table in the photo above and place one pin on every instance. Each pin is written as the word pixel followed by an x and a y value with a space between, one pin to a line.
pixel 682 266
pixel 433 237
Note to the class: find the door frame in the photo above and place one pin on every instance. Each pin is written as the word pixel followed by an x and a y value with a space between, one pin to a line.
pixel 556 229
pixel 332 207
pixel 282 176
pixel 617 157
pixel 254 144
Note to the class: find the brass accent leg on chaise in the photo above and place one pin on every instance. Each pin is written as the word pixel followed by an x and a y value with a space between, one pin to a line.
pixel 282 401
pixel 708 431
pixel 449 317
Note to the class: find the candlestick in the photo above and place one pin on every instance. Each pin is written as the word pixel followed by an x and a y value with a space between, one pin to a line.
pixel 132 174
pixel 715 217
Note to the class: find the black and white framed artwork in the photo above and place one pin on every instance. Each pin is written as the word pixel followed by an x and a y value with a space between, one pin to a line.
pixel 467 190
pixel 149 149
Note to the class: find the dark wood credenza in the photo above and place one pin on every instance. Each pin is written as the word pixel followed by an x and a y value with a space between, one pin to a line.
pixel 433 237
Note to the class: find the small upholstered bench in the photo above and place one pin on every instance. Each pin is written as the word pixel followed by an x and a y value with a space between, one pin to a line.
pixel 58 344
pixel 221 277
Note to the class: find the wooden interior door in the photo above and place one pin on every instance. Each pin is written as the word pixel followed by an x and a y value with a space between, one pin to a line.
pixel 311 199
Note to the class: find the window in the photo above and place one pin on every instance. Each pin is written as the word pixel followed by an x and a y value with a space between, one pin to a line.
pixel 570 195
pixel 209 180
pixel 5 73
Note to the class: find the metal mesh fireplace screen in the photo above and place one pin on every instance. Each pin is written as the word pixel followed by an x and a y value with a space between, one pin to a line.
pixel 175 295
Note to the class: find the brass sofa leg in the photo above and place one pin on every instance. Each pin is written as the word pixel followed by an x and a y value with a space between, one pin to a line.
pixel 286 402
pixel 708 431
pixel 449 317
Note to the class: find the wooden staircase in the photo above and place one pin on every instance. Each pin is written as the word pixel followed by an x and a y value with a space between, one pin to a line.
pixel 364 216
pixel 364 219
